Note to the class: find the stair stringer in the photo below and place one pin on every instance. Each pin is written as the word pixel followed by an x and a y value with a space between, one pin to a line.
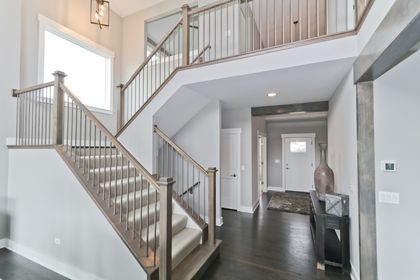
pixel 137 251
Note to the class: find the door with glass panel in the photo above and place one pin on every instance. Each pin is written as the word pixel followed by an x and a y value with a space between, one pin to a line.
pixel 298 162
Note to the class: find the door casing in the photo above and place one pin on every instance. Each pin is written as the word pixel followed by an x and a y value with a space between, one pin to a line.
pixel 237 132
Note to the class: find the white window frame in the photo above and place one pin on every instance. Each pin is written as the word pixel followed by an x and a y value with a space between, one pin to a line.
pixel 46 24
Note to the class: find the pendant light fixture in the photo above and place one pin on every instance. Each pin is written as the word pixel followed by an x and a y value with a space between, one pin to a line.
pixel 99 13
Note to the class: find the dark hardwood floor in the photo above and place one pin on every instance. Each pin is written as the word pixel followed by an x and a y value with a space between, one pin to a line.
pixel 15 267
pixel 267 245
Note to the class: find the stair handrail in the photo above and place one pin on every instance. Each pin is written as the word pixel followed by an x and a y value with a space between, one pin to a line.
pixel 112 138
pixel 150 56
pixel 209 176
pixel 178 148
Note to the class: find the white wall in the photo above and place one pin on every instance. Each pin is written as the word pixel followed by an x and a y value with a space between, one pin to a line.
pixel 274 144
pixel 200 138
pixel 74 15
pixel 9 78
pixel 397 137
pixel 89 244
pixel 342 156
pixel 241 118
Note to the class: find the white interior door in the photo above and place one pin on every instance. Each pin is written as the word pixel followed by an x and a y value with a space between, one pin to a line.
pixel 262 166
pixel 229 170
pixel 298 163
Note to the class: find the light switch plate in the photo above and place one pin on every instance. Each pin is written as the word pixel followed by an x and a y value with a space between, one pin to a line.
pixel 389 197
pixel 388 165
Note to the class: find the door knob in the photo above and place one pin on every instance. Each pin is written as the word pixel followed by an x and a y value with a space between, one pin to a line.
pixel 233 175
pixel 287 168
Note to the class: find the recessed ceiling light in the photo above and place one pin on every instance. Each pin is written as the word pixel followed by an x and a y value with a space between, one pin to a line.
pixel 272 94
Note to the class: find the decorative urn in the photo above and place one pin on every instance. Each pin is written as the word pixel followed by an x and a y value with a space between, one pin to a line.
pixel 323 176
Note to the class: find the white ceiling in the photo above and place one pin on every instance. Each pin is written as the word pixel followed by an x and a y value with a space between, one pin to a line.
pixel 308 83
pixel 126 7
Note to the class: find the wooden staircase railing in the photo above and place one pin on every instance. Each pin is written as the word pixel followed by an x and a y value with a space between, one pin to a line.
pixel 223 30
pixel 133 200
pixel 194 186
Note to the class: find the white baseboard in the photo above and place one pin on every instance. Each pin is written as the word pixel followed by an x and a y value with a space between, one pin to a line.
pixel 219 221
pixel 4 243
pixel 247 209
pixel 64 269
pixel 275 189
pixel 354 274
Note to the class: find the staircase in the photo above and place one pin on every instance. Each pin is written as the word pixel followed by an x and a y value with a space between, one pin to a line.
pixel 166 236
pixel 167 220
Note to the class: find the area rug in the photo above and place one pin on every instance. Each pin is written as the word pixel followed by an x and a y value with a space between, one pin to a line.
pixel 292 202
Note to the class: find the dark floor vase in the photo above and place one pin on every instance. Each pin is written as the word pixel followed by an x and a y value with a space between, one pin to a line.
pixel 324 176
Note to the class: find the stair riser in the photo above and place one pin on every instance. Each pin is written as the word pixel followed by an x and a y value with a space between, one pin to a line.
pixel 103 162
pixel 144 219
pixel 139 201
pixel 115 174
pixel 92 152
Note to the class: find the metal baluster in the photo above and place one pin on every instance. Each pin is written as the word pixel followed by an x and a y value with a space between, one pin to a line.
pixel 94 157
pixel 134 204
pixel 104 167
pixel 84 146
pixel 99 162
pixel 90 147
pixel 141 207
pixel 72 123
pixel 155 234
pixel 111 156
pixel 122 186
pixel 148 219
pixel 128 196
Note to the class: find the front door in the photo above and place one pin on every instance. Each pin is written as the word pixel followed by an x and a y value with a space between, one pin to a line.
pixel 229 169
pixel 298 163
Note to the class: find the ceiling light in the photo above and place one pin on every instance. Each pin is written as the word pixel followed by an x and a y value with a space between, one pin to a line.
pixel 272 94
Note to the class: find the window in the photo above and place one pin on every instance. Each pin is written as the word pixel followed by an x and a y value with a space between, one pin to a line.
pixel 87 66
pixel 298 147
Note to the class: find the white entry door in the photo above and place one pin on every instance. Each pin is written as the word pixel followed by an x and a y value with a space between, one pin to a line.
pixel 229 168
pixel 298 162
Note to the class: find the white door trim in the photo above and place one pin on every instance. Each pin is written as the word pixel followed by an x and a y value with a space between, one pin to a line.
pixel 283 142
pixel 236 131
pixel 264 136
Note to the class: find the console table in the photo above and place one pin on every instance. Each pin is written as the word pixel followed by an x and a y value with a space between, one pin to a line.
pixel 329 248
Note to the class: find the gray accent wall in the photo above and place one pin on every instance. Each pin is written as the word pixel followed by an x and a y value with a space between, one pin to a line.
pixel 274 144
pixel 397 137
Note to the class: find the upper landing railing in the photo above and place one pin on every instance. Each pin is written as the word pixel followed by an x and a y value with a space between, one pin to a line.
pixel 231 28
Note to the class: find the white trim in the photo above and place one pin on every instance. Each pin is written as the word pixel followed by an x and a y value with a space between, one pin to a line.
pixel 299 135
pixel 238 132
pixel 250 210
pixel 354 274
pixel 219 221
pixel 231 130
pixel 276 189
pixel 284 137
pixel 263 136
pixel 65 269
pixel 46 24
pixel 4 243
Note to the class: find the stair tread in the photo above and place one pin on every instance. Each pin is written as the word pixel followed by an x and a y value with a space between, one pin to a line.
pixel 195 264
pixel 131 195
pixel 107 169
pixel 183 243
pixel 179 222
pixel 143 212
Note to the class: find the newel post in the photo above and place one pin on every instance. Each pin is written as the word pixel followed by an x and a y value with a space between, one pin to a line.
pixel 186 35
pixel 120 107
pixel 165 228
pixel 58 109
pixel 212 205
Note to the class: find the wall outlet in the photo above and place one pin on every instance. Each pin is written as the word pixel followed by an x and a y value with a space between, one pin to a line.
pixel 57 241
pixel 277 161
pixel 389 197
pixel 243 167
